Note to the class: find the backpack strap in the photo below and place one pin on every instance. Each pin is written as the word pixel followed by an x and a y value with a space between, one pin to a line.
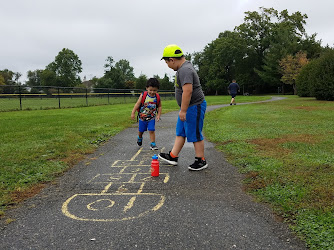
pixel 144 94
pixel 158 100
pixel 143 98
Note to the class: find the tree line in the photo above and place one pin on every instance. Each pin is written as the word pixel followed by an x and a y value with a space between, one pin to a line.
pixel 65 69
pixel 257 53
pixel 266 54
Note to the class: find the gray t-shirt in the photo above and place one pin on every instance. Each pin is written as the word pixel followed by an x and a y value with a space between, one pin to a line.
pixel 187 74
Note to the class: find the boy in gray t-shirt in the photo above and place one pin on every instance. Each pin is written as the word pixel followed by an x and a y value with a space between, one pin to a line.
pixel 190 97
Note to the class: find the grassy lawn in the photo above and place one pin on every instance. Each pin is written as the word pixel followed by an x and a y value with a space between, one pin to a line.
pixel 12 104
pixel 285 149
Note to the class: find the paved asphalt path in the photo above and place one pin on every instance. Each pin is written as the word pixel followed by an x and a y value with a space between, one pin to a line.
pixel 110 201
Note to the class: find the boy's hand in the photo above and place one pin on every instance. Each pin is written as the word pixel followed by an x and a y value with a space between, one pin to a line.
pixel 182 115
pixel 158 118
pixel 133 116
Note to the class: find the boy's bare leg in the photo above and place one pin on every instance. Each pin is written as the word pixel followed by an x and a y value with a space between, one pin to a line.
pixel 152 136
pixel 140 134
pixel 199 148
pixel 178 145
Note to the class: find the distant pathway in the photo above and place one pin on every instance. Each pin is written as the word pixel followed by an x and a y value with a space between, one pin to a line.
pixel 275 98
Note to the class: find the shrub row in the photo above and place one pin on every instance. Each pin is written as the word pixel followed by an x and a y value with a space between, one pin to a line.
pixel 316 79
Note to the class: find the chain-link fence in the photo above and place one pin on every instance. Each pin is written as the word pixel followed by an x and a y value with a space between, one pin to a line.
pixel 15 97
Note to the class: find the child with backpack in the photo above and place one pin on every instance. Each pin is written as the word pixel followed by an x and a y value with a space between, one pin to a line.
pixel 149 109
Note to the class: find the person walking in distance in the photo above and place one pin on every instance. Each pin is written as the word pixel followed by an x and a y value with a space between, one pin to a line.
pixel 190 97
pixel 233 88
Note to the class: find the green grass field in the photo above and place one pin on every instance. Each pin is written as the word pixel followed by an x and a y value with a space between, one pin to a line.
pixel 284 148
pixel 12 104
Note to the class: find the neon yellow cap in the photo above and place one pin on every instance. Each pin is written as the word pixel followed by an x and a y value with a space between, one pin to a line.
pixel 172 50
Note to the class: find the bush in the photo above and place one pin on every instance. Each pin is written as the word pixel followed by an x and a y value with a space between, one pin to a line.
pixel 324 86
pixel 305 80
pixel 317 78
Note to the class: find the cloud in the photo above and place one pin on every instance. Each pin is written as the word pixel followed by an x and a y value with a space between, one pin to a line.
pixel 33 32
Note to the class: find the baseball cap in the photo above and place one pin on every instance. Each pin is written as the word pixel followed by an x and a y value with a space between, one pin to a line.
pixel 172 50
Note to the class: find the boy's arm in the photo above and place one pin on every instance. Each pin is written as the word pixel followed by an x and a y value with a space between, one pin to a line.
pixel 137 105
pixel 159 111
pixel 186 96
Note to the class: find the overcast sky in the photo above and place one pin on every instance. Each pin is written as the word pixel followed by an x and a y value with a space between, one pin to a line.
pixel 33 32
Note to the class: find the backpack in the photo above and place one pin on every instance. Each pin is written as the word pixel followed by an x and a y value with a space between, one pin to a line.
pixel 143 100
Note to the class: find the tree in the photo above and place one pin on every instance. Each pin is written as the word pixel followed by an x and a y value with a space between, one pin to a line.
pixel 141 82
pixel 324 76
pixel 66 67
pixel 109 65
pixel 105 81
pixel 8 76
pixel 166 84
pixel 224 59
pixel 2 80
pixel 306 79
pixel 272 35
pixel 317 77
pixel 48 78
pixel 34 77
pixel 252 51
pixel 118 76
pixel 311 46
pixel 291 67
pixel 17 76
pixel 127 71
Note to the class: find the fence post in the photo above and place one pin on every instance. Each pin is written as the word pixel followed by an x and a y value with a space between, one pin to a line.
pixel 108 97
pixel 58 98
pixel 20 97
pixel 86 97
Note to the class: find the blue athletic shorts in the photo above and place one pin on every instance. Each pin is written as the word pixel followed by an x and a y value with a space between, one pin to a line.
pixel 233 95
pixel 146 125
pixel 192 127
